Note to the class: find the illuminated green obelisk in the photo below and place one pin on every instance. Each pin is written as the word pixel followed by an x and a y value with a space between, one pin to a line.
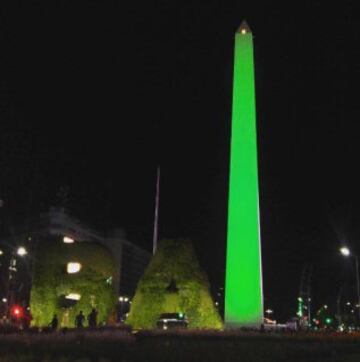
pixel 243 286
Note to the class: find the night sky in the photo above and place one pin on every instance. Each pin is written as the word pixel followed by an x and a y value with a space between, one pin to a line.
pixel 94 95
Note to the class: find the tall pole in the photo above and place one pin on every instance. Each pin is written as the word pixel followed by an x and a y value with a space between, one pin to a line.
pixel 358 284
pixel 243 284
pixel 156 216
pixel 338 306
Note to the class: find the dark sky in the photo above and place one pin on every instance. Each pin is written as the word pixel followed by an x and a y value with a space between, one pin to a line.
pixel 94 95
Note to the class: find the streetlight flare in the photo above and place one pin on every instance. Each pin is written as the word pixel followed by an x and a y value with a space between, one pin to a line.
pixel 21 251
pixel 345 251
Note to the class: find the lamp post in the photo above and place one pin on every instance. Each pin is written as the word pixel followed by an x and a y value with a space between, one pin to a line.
pixel 21 252
pixel 124 302
pixel 346 252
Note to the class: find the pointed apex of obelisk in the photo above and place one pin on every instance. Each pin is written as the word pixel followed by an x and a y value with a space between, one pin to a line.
pixel 244 28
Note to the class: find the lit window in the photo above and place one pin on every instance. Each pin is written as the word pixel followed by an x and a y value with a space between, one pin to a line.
pixel 68 240
pixel 73 296
pixel 73 267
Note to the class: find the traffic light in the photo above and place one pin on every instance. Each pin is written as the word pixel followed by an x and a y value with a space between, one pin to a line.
pixel 17 311
pixel 328 320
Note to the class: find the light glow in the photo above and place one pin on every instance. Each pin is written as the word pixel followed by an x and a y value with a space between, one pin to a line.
pixel 68 240
pixel 73 296
pixel 17 311
pixel 73 267
pixel 21 251
pixel 345 251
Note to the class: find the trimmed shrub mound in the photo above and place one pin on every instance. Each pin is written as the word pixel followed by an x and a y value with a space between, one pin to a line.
pixel 174 282
pixel 51 282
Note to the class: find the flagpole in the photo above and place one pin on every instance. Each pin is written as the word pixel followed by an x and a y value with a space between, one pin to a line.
pixel 156 217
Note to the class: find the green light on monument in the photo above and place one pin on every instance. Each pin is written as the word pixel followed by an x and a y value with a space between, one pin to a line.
pixel 243 285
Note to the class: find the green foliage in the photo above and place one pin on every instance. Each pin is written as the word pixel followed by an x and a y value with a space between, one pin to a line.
pixel 174 282
pixel 51 282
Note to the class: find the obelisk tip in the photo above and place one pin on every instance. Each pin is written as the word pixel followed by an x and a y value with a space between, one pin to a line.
pixel 244 28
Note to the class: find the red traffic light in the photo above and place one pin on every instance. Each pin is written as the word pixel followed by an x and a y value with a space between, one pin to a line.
pixel 17 311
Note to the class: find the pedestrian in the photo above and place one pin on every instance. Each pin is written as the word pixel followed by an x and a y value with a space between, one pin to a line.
pixel 92 318
pixel 79 320
pixel 54 322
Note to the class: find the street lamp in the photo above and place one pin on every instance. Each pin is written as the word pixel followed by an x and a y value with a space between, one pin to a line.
pixel 21 251
pixel 346 252
pixel 14 283
pixel 124 304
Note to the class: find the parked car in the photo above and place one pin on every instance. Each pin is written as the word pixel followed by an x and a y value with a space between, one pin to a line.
pixel 172 320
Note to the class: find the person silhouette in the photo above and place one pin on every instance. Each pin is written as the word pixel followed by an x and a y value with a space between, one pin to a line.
pixel 79 320
pixel 54 322
pixel 92 318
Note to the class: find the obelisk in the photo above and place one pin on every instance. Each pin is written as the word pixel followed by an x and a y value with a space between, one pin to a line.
pixel 243 285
